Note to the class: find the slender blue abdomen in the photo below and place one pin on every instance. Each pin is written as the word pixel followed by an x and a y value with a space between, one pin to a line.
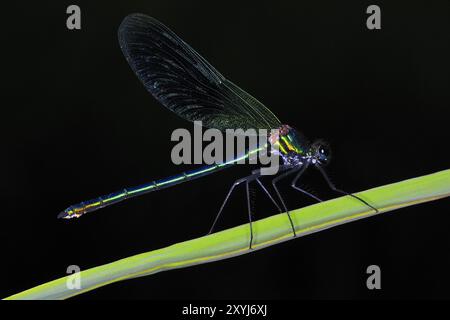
pixel 78 210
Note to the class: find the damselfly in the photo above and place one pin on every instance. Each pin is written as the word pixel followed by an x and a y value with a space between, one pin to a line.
pixel 185 83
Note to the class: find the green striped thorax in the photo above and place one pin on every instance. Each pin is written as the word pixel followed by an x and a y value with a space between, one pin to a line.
pixel 295 149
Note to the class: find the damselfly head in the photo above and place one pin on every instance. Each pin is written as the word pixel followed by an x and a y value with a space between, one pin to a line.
pixel 320 153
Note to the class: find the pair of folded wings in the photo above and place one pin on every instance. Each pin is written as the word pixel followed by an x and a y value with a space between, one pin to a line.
pixel 184 82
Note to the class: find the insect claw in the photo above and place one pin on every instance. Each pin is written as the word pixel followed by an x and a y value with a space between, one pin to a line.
pixel 63 215
pixel 66 215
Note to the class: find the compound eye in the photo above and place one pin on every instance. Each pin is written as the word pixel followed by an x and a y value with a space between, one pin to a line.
pixel 324 153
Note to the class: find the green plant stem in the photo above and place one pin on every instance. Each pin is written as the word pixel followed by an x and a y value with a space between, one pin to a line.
pixel 267 232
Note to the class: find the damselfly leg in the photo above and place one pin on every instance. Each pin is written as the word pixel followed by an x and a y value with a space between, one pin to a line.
pixel 294 184
pixel 256 174
pixel 235 184
pixel 249 208
pixel 333 187
pixel 268 194
pixel 274 185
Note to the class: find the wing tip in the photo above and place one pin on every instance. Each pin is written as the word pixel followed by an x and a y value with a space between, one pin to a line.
pixel 135 21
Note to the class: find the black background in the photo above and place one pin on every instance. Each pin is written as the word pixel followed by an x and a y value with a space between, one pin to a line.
pixel 77 123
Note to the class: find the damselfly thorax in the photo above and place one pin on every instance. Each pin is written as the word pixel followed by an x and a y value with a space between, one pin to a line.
pixel 295 149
